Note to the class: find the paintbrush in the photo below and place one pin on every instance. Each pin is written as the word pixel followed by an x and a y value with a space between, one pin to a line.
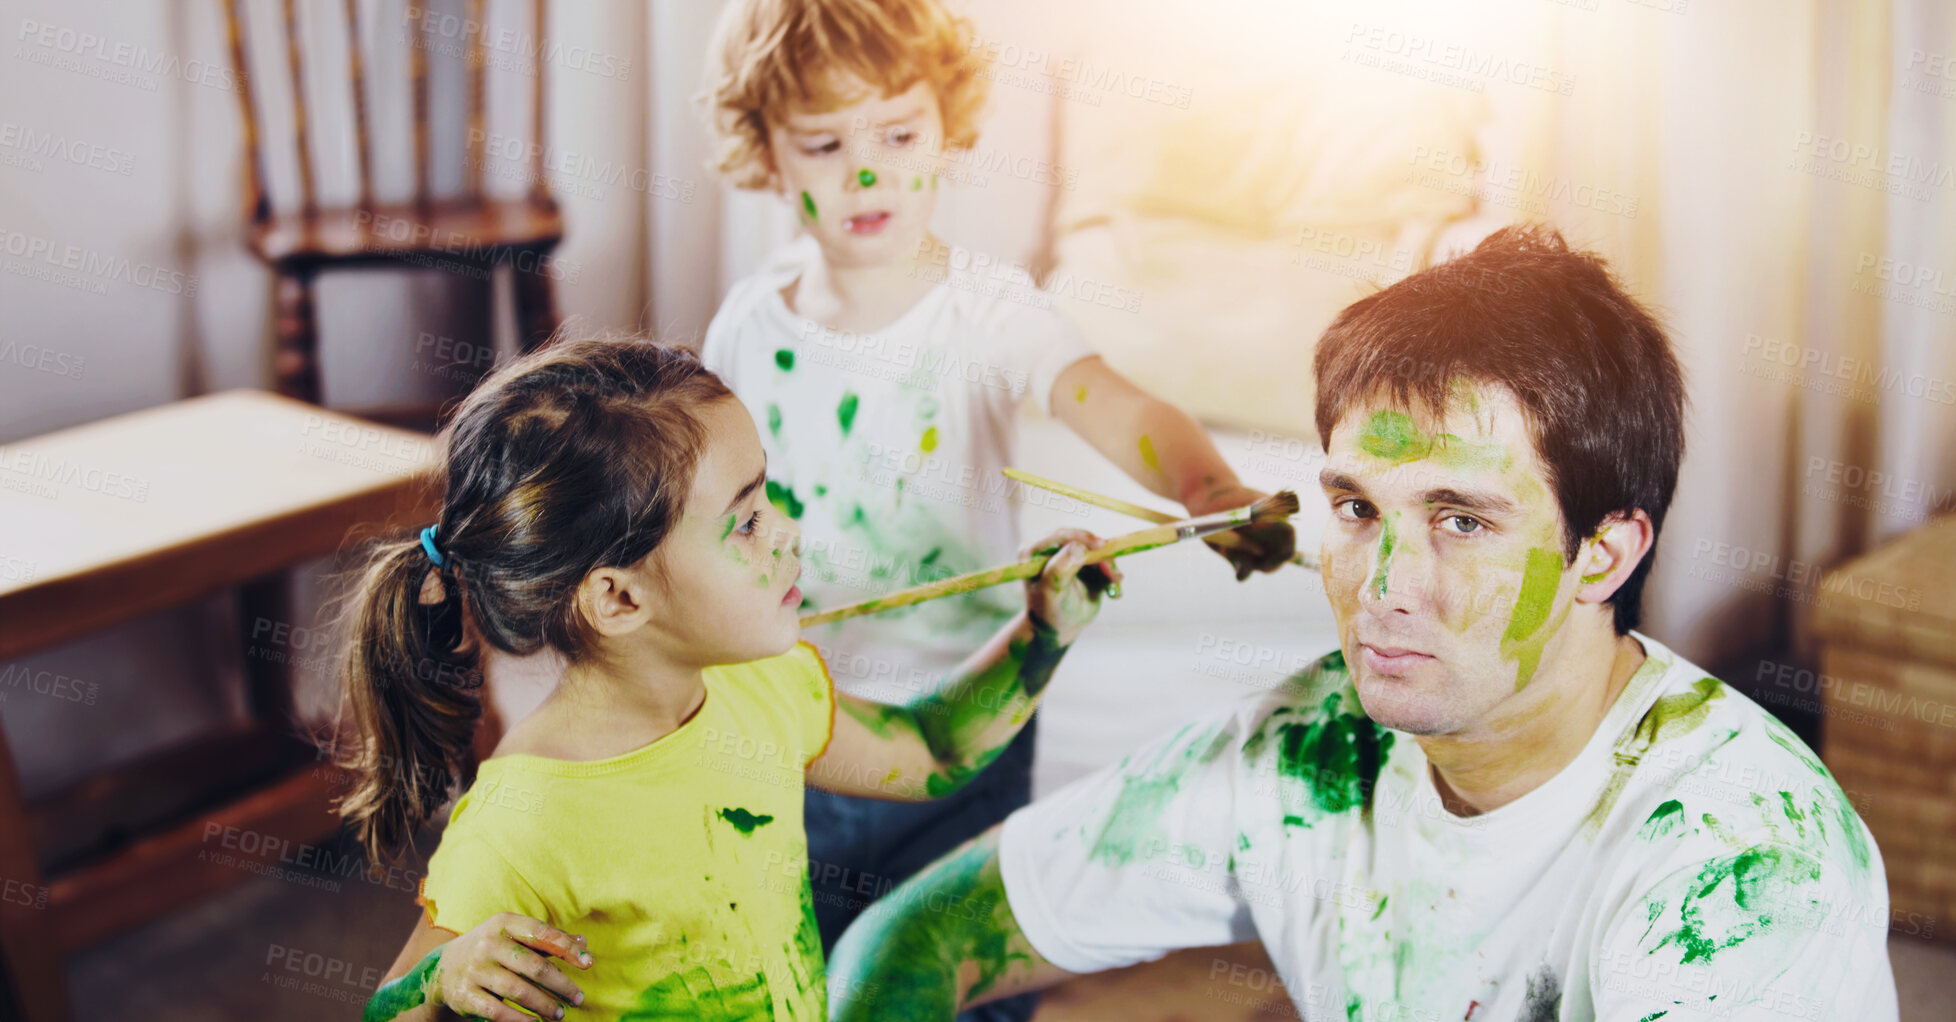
pixel 1276 507
pixel 1148 514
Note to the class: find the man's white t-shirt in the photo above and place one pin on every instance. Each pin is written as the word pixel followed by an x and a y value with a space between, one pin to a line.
pixel 887 447
pixel 1694 861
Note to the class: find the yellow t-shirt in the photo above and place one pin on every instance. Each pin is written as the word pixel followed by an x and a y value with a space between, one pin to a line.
pixel 683 863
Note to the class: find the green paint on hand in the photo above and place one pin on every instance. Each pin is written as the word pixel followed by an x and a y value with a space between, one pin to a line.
pixel 866 177
pixel 808 206
pixel 929 441
pixel 1663 821
pixel 1525 638
pixel 744 821
pixel 845 411
pixel 784 498
pixel 774 419
pixel 405 994
pixel 1148 457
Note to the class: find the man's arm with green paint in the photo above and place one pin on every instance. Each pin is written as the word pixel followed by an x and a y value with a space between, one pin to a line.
pixel 943 940
pixel 442 974
pixel 938 743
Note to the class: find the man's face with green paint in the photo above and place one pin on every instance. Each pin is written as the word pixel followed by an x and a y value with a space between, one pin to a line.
pixel 1443 560
pixel 862 178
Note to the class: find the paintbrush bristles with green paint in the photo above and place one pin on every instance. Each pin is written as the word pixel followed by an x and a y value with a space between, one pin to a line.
pixel 1276 507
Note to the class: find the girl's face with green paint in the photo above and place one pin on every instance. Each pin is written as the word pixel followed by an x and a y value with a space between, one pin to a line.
pixel 1443 560
pixel 862 177
pixel 728 592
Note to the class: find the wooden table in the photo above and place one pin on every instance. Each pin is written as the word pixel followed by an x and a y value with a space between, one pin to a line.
pixel 120 518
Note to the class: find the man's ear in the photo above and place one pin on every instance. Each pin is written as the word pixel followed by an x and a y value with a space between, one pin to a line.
pixel 616 601
pixel 1606 559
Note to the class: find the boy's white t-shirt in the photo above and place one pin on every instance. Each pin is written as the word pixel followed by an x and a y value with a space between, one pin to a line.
pixel 1694 861
pixel 887 447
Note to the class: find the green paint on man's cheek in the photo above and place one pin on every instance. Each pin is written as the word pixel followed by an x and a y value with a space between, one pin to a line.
pixel 808 206
pixel 404 994
pixel 845 412
pixel 785 358
pixel 744 821
pixel 1148 456
pixel 1525 637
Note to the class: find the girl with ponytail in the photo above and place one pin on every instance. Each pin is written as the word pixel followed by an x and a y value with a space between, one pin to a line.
pixel 641 830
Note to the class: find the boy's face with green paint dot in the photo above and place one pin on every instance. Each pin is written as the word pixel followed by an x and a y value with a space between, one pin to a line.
pixel 732 561
pixel 1443 560
pixel 859 176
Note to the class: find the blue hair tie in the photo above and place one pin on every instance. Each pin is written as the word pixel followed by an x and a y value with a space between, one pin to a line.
pixel 428 546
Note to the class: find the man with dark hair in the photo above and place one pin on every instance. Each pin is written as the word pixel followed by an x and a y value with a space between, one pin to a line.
pixel 1496 800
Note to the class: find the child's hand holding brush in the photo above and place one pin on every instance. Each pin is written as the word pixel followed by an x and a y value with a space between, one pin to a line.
pixel 1065 596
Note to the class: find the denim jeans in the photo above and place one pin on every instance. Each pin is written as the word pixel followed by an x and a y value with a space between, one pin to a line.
pixel 860 848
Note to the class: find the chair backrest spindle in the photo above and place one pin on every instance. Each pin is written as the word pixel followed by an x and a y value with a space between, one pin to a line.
pixel 308 202
pixel 257 208
pixel 357 69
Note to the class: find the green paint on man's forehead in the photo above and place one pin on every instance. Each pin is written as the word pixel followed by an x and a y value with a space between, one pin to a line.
pixel 1392 435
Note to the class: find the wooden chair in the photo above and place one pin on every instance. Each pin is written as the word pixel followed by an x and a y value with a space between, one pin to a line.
pixel 474 233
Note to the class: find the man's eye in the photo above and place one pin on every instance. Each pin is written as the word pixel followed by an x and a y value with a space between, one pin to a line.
pixel 822 148
pixel 902 136
pixel 1356 508
pixel 1463 524
pixel 753 522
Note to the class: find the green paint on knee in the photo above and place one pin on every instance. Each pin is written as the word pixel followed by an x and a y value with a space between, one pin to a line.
pixel 404 994
pixel 744 821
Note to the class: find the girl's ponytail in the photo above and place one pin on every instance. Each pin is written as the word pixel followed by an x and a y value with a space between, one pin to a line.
pixel 414 689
